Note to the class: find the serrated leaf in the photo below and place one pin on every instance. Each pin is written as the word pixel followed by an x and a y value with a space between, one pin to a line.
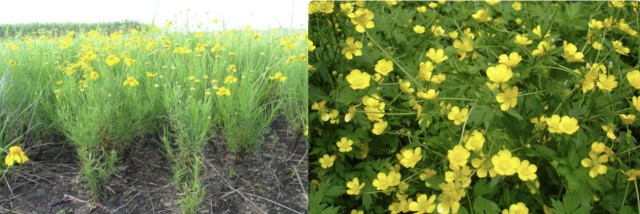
pixel 483 205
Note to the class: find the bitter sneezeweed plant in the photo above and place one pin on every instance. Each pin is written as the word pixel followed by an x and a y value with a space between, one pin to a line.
pixel 474 107
pixel 105 92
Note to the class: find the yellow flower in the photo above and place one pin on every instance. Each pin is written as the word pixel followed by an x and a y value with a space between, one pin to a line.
pixel 636 102
pixel 230 80
pixel 327 161
pixel 310 45
pixel 232 68
pixel 538 31
pixel 419 29
pixel 223 91
pixel 623 26
pixel 421 9
pixel 463 47
pixel 481 16
pixel 475 141
pixel 543 47
pixel 517 6
pixel 484 167
pixel 570 52
pixel 607 82
pixel 278 76
pixel 384 67
pixel 379 127
pixel 354 187
pixel 508 99
pixel 320 7
pixel 510 61
pixel 504 163
pixel 568 125
pixel 353 48
pixel 620 48
pixel 522 40
pixel 130 81
pixel 458 156
pixel 16 155
pixel 382 181
pixel 632 174
pixel 405 86
pixel 437 31
pixel 129 61
pixel 94 75
pixel 594 24
pixel 499 73
pixel 112 60
pixel 437 56
pixel 150 75
pixel 362 19
pixel 527 172
pixel 357 211
pixel 596 164
pixel 492 2
pixel 348 116
pixel 423 204
pixel 634 78
pixel 627 119
pixel 458 116
pixel 616 3
pixel 597 45
pixel 431 94
pixel 344 145
pixel 425 71
pixel 181 50
pixel 519 208
pixel 358 79
pixel 410 157
pixel 610 128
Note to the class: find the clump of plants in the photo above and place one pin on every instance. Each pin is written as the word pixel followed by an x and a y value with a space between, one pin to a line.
pixel 474 107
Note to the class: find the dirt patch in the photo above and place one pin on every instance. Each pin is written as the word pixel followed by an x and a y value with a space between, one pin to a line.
pixel 274 180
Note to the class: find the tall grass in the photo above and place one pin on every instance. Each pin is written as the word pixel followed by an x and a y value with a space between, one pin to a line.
pixel 164 82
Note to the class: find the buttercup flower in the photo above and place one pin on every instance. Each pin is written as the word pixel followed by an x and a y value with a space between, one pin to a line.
pixel 458 116
pixel 510 61
pixel 508 99
pixel 504 163
pixel 620 48
pixel 358 79
pixel 607 82
pixel 627 119
pixel 610 129
pixel 16 155
pixel 222 91
pixel 570 53
pixel 353 48
pixel 423 204
pixel 481 16
pixel 279 77
pixel 354 187
pixel 636 102
pixel 112 60
pixel 475 141
pixel 327 161
pixel 538 31
pixel 499 73
pixel 519 208
pixel 437 56
pixel 410 157
pixel 419 29
pixel 362 19
pixel 431 94
pixel 379 127
pixel 458 156
pixel 384 67
pixel 425 71
pixel 344 145
pixel 527 172
pixel 130 81
pixel 634 78
pixel 543 48
pixel 230 80
pixel 522 40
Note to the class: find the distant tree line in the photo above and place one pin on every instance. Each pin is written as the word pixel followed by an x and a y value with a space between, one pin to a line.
pixel 58 29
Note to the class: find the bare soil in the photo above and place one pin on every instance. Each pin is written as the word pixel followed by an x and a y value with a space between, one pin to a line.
pixel 273 180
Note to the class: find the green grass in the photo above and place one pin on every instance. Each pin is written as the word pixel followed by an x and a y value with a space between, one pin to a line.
pixel 168 92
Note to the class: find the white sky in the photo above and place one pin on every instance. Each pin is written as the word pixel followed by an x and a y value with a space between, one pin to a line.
pixel 259 14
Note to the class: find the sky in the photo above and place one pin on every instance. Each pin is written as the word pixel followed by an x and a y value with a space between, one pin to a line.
pixel 265 14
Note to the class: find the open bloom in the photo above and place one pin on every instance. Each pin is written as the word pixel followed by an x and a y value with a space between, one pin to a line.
pixel 344 145
pixel 327 161
pixel 410 157
pixel 354 187
pixel 222 91
pixel 353 48
pixel 423 204
pixel 437 56
pixel 510 61
pixel 130 81
pixel 279 77
pixel 570 52
pixel 384 67
pixel 16 155
pixel 526 171
pixel 504 163
pixel 508 99
pixel 362 18
pixel 499 73
pixel 634 78
pixel 458 156
pixel 112 60
pixel 518 208
pixel 358 79
pixel 458 116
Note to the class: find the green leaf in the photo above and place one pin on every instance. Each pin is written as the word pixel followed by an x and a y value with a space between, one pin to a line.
pixel 515 114
pixel 483 205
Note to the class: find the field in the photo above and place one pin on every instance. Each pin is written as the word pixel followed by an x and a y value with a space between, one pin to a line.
pixel 139 119
pixel 474 107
